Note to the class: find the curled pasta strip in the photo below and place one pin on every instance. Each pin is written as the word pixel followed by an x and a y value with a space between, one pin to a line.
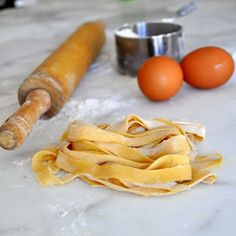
pixel 135 155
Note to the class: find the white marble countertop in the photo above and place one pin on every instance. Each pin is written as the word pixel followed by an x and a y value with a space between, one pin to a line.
pixel 27 36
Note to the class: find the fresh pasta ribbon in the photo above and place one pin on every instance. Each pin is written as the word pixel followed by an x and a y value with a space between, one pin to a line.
pixel 146 157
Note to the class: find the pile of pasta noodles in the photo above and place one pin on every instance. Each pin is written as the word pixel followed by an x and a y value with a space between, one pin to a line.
pixel 146 157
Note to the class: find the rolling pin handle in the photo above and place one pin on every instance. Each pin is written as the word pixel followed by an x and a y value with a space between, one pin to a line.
pixel 18 126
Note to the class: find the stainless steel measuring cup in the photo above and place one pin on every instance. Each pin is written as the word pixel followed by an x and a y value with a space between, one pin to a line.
pixel 137 42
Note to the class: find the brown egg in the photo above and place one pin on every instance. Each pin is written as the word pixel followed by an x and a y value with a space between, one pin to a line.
pixel 160 78
pixel 207 67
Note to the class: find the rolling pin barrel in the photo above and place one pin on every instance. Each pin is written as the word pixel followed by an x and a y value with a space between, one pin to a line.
pixel 47 89
pixel 62 71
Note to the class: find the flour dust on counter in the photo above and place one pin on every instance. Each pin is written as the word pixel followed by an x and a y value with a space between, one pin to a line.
pixel 90 109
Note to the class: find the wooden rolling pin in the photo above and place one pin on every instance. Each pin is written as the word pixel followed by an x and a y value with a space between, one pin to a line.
pixel 47 89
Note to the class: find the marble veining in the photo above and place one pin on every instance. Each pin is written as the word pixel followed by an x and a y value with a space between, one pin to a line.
pixel 27 36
